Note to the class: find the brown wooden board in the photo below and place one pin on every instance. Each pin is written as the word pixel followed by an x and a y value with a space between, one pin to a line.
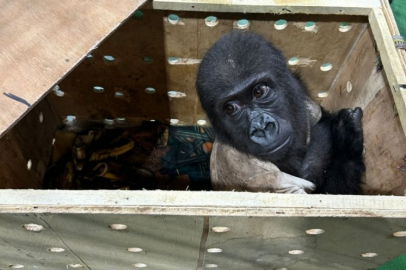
pixel 384 140
pixel 128 73
pixel 385 146
pixel 184 242
pixel 152 35
pixel 29 140
pixel 42 40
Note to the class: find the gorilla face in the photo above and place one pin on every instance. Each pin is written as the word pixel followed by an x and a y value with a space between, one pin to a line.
pixel 252 100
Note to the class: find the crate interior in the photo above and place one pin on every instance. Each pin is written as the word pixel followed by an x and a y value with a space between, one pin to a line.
pixel 135 58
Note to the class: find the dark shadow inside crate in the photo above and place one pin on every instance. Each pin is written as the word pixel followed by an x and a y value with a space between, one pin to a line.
pixel 133 78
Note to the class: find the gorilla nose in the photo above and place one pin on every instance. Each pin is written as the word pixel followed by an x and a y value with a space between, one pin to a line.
pixel 262 125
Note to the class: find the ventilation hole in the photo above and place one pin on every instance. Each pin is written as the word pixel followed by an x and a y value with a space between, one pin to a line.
pixel 211 21
pixel 89 56
pixel 147 59
pixel 69 119
pixel 211 265
pixel 16 266
pixel 296 252
pixel 201 122
pixel 293 61
pixel 108 58
pixel 310 26
pixel 56 250
pixel 174 121
pixel 315 231
pixel 326 67
pixel 280 24
pixel 400 234
pixel 29 164
pixel 138 14
pixel 176 94
pixel 219 229
pixel 140 265
pixel 33 227
pixel 344 27
pixel 134 249
pixel 150 90
pixel 173 60
pixel 322 94
pixel 118 227
pixel 75 265
pixel 349 86
pixel 98 89
pixel 59 93
pixel 41 117
pixel 108 121
pixel 243 24
pixel 369 255
pixel 173 19
pixel 118 94
pixel 214 250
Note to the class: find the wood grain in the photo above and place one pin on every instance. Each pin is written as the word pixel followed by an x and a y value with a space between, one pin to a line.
pixel 200 203
pixel 42 41
pixel 385 146
pixel 29 139
pixel 191 38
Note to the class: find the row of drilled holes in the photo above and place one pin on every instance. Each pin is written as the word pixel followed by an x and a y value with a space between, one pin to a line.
pixel 216 229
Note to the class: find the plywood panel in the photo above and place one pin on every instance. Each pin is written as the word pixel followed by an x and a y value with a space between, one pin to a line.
pixel 351 86
pixel 42 40
pixel 385 146
pixel 264 243
pixel 29 140
pixel 354 7
pixel 129 74
pixel 200 203
pixel 167 242
pixel 189 39
pixel 183 242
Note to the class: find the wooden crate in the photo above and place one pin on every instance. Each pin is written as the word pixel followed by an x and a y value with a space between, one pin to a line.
pixel 47 43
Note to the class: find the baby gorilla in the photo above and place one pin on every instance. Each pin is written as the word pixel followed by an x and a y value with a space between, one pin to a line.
pixel 258 106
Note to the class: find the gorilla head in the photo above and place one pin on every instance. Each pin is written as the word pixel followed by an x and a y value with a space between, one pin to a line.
pixel 253 101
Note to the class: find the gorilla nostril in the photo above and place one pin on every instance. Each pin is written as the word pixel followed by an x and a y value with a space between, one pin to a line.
pixel 270 126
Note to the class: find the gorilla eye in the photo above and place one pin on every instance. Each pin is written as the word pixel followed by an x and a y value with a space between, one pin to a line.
pixel 230 108
pixel 260 90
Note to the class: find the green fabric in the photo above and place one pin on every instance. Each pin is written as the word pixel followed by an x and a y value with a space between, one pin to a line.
pixel 399 263
pixel 399 10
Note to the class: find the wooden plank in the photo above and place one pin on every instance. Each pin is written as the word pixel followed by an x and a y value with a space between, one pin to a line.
pixel 167 242
pixel 128 74
pixel 264 243
pixel 29 141
pixel 358 68
pixel 348 7
pixel 175 242
pixel 385 146
pixel 200 203
pixel 391 62
pixel 59 36
pixel 190 39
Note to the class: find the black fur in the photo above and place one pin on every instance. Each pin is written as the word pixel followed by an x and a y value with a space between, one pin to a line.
pixel 257 105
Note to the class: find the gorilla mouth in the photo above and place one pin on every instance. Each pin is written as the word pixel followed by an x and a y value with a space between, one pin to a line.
pixel 258 133
pixel 281 145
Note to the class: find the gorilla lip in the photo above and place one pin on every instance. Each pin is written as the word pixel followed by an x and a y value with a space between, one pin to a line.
pixel 285 143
